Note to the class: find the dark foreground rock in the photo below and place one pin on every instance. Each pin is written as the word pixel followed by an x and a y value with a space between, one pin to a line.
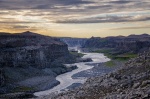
pixel 20 95
pixel 84 60
pixel 132 81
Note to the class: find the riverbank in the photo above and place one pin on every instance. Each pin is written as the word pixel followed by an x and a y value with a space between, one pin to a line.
pixel 132 81
pixel 99 69
pixel 66 80
pixel 71 80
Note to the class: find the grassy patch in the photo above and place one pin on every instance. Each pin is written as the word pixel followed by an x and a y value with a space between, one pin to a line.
pixel 119 57
pixel 76 54
pixel 102 51
pixel 110 63
pixel 129 55
pixel 23 89
pixel 125 57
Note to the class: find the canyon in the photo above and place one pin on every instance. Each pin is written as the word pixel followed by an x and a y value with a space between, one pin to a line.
pixel 31 62
pixel 130 81
pixel 27 55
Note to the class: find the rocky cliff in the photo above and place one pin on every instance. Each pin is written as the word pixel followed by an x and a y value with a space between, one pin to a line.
pixel 131 43
pixel 26 55
pixel 28 49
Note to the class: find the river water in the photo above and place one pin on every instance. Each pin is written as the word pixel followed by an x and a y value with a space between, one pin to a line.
pixel 66 79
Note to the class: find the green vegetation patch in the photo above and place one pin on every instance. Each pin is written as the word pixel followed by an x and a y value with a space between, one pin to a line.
pixel 126 56
pixel 110 53
pixel 76 54
pixel 110 63
pixel 23 89
pixel 103 51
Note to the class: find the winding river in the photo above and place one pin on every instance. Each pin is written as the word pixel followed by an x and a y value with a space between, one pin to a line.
pixel 66 79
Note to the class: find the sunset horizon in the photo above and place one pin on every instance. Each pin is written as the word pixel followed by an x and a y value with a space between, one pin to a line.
pixel 63 36
pixel 76 18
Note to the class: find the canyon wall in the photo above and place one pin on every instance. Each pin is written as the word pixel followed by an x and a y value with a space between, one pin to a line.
pixel 27 55
pixel 28 49
pixel 131 43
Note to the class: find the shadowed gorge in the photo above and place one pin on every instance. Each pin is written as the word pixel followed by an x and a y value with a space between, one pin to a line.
pixel 78 49
pixel 32 62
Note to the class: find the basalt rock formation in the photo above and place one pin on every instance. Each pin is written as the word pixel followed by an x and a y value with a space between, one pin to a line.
pixel 131 43
pixel 26 55
pixel 28 49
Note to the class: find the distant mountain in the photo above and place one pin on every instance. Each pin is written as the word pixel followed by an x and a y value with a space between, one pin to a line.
pixel 28 33
pixel 139 36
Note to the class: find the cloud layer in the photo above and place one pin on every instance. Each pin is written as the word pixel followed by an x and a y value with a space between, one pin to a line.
pixel 59 15
pixel 107 19
pixel 78 10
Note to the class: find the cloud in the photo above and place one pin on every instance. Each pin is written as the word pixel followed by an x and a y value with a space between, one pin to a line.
pixel 20 27
pixel 106 19
pixel 133 27
pixel 16 22
pixel 79 11
pixel 120 2
pixel 39 4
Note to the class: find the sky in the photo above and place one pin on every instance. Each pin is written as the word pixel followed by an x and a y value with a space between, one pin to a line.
pixel 76 18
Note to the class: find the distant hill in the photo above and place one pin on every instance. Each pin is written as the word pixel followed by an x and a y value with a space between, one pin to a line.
pixel 131 43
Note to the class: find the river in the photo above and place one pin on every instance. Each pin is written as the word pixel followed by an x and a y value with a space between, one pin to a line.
pixel 66 79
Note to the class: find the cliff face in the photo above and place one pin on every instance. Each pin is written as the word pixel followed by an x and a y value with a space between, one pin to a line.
pixel 29 49
pixel 131 43
pixel 28 55
pixel 2 78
